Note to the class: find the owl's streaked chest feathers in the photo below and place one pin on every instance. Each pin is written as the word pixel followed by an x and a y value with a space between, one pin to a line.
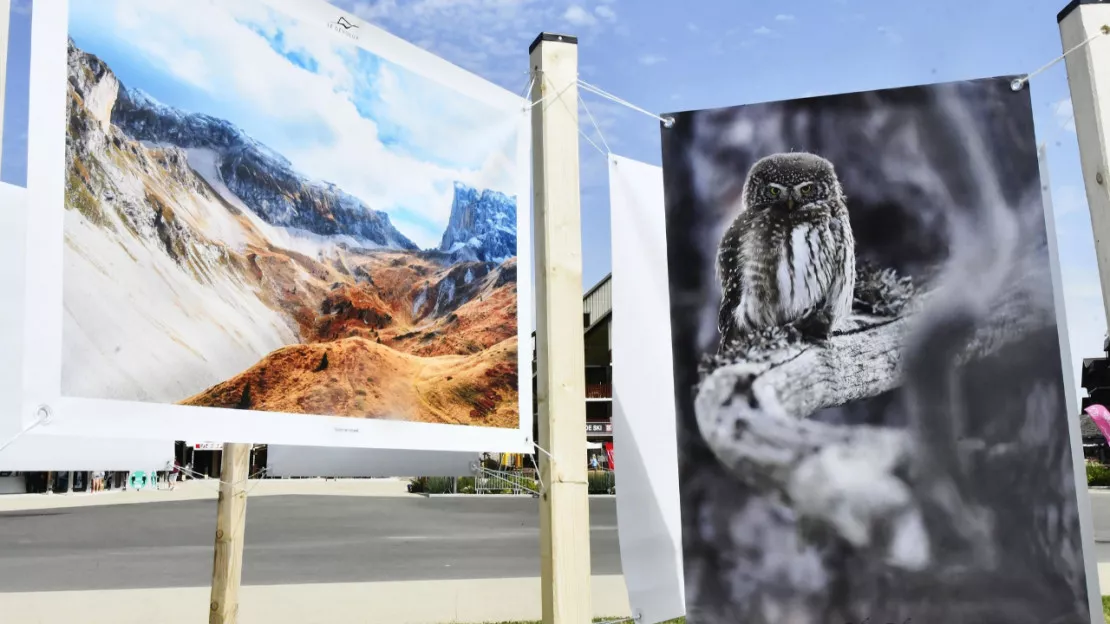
pixel 804 272
pixel 790 267
pixel 789 255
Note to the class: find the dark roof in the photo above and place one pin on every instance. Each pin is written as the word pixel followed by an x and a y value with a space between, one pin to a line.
pixel 598 285
pixel 1087 427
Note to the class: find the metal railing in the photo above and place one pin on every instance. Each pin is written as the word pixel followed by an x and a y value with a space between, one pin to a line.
pixel 487 481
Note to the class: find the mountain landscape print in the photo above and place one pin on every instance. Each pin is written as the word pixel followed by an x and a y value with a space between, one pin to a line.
pixel 261 215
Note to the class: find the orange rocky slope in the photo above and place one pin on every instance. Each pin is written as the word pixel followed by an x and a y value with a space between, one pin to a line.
pixel 373 352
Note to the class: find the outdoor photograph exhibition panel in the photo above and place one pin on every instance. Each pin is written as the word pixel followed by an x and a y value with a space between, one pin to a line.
pixel 269 221
pixel 868 380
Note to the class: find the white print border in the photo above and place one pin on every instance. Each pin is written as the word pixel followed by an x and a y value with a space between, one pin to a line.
pixel 42 363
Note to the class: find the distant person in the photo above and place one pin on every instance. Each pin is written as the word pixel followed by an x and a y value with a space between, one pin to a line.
pixel 175 471
pixel 593 462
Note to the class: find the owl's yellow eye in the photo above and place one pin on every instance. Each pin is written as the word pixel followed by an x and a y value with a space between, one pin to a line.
pixel 807 190
pixel 774 191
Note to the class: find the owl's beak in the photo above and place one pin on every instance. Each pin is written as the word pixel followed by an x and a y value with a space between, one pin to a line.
pixel 790 204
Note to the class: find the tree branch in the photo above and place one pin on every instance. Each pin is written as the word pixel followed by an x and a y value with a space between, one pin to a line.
pixel 753 406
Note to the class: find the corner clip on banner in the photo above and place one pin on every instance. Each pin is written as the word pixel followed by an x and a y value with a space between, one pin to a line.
pixel 305 235
pixel 21 450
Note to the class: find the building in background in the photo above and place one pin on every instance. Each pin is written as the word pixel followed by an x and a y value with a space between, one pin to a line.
pixel 1095 379
pixel 1094 444
pixel 597 319
pixel 205 459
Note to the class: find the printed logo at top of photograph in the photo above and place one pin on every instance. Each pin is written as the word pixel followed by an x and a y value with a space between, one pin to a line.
pixel 862 305
pixel 343 26
pixel 259 218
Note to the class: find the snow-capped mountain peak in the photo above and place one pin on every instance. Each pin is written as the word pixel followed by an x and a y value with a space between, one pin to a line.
pixel 263 179
pixel 482 225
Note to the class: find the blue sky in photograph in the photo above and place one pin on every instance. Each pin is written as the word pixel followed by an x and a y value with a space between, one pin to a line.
pixel 389 136
pixel 710 53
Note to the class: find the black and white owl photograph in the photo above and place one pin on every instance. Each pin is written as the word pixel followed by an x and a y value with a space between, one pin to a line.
pixel 870 392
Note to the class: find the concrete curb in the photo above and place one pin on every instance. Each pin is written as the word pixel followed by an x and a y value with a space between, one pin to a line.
pixel 208 489
pixel 413 602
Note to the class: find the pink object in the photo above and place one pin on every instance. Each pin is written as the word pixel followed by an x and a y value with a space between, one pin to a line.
pixel 1101 416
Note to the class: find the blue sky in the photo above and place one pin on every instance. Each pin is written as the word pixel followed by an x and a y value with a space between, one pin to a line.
pixel 714 53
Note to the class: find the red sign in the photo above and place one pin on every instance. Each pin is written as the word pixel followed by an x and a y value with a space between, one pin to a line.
pixel 609 452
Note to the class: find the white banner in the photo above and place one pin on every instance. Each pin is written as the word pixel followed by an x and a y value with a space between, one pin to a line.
pixel 319 461
pixel 37 452
pixel 211 258
pixel 648 514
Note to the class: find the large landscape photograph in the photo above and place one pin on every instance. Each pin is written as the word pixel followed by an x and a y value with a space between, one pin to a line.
pixel 262 215
pixel 869 387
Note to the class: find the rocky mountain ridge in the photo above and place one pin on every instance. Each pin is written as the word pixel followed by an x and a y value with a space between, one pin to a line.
pixel 482 226
pixel 262 178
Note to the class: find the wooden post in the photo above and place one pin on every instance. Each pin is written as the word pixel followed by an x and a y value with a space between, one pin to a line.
pixel 560 358
pixel 1089 82
pixel 231 520
pixel 5 19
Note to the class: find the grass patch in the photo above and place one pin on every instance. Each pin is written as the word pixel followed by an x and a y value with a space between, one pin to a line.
pixel 1098 474
pixel 600 481
pixel 1106 607
pixel 81 199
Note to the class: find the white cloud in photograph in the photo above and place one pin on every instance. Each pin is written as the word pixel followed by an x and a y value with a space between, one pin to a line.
pixel 391 137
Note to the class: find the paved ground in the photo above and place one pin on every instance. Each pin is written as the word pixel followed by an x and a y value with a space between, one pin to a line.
pixel 309 559
pixel 289 540
pixel 1100 510
pixel 415 602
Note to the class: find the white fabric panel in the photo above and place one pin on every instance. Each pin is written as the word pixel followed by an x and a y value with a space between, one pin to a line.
pixel 39 452
pixel 322 461
pixel 645 449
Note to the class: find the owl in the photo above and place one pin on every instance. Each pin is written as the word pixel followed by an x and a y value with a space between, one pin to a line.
pixel 789 256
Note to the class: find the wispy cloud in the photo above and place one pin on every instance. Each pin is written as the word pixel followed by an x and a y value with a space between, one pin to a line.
pixel 763 31
pixel 784 17
pixel 1065 115
pixel 1068 200
pixel 22 7
pixel 651 59
pixel 606 12
pixel 486 37
pixel 891 36
pixel 692 27
pixel 579 16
